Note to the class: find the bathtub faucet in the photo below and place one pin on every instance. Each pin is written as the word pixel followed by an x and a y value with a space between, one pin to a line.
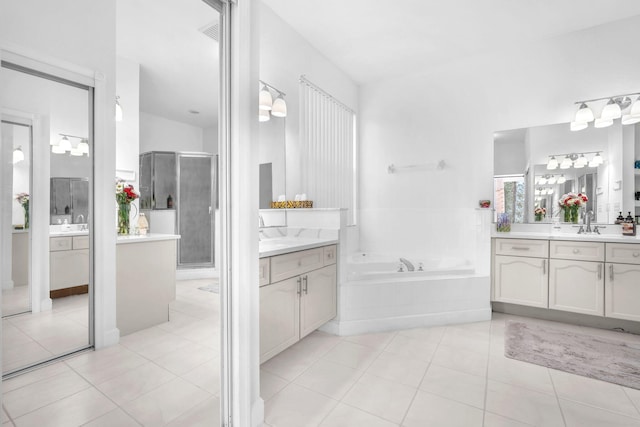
pixel 406 262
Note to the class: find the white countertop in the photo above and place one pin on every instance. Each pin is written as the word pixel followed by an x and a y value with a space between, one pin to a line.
pixel 284 245
pixel 151 237
pixel 68 233
pixel 612 238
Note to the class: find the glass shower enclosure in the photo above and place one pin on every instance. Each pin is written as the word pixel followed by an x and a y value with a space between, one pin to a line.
pixel 178 194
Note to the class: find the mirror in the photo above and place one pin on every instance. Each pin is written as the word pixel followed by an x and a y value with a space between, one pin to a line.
pixel 530 192
pixel 272 161
pixel 50 264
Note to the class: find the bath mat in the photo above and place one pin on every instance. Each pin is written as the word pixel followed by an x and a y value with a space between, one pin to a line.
pixel 595 356
pixel 214 288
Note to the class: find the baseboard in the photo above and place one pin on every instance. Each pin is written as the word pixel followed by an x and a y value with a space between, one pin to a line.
pixel 111 337
pixel 67 292
pixel 357 327
pixel 257 413
pixel 196 273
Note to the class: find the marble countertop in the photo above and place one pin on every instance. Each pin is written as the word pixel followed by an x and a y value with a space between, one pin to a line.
pixel 284 245
pixel 610 237
pixel 68 233
pixel 151 237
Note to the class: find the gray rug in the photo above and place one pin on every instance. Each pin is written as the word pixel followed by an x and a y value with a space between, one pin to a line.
pixel 604 358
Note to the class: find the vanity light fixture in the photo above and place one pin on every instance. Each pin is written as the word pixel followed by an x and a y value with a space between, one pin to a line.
pixel 566 163
pixel 118 110
pixel 611 111
pixel 83 145
pixel 265 98
pixel 580 162
pixel 551 180
pixel 597 160
pixel 56 149
pixel 553 163
pixel 268 106
pixel 65 146
pixel 561 180
pixel 18 155
pixel 576 160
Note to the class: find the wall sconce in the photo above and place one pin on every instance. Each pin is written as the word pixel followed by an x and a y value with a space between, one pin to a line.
pixel 267 106
pixel 18 155
pixel 118 109
pixel 611 111
pixel 64 145
pixel 574 160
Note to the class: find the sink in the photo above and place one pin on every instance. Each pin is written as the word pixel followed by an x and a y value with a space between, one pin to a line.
pixel 67 228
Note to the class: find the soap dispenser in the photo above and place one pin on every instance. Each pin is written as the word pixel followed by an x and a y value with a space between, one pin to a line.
pixel 629 226
pixel 620 219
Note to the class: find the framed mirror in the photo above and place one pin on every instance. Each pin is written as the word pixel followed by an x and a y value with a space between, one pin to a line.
pixel 50 119
pixel 530 179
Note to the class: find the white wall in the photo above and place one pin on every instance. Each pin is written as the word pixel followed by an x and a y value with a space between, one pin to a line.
pixel 284 56
pixel 160 134
pixel 210 140
pixel 452 112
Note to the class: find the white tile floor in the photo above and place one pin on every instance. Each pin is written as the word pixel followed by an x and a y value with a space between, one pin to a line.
pixel 442 376
pixel 33 337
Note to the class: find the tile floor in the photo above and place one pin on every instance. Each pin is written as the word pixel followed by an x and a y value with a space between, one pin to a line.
pixel 442 376
pixel 33 337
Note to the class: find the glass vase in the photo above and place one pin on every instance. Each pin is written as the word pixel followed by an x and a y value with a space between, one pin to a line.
pixel 26 217
pixel 123 218
pixel 574 214
pixel 567 214
pixel 538 217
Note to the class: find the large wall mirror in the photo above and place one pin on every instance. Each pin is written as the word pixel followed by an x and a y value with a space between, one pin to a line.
pixel 47 282
pixel 529 186
pixel 272 157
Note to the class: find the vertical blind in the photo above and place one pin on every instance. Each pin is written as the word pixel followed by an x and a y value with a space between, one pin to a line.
pixel 328 148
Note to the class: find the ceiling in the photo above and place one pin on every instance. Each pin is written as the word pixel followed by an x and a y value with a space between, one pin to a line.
pixel 372 40
pixel 178 64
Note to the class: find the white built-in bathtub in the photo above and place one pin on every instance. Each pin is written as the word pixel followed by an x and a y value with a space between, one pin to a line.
pixel 374 296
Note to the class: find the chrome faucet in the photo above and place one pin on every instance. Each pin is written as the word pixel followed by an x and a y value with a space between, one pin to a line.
pixel 80 219
pixel 588 216
pixel 260 221
pixel 406 262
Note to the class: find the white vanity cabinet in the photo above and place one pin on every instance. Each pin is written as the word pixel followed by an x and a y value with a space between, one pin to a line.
pixel 576 277
pixel 622 281
pixel 298 298
pixel 520 272
pixel 68 265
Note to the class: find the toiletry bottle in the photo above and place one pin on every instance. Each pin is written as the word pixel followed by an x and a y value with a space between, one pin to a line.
pixel 169 202
pixel 629 226
pixel 620 219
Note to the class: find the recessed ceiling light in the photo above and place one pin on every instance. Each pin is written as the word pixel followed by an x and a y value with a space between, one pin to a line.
pixel 194 112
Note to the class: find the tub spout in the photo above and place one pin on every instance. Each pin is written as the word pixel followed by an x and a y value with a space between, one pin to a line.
pixel 406 262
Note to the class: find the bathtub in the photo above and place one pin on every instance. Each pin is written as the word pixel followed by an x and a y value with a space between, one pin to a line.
pixel 374 297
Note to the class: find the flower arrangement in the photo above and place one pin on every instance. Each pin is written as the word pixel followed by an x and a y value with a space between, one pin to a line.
pixel 125 194
pixel 23 200
pixel 540 213
pixel 570 203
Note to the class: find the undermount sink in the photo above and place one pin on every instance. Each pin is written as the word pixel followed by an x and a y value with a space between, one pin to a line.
pixel 67 228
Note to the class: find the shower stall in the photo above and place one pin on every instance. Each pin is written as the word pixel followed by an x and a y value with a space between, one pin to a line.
pixel 178 194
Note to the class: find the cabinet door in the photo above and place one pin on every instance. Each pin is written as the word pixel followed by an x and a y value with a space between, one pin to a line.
pixel 622 291
pixel 576 286
pixel 521 280
pixel 68 269
pixel 318 301
pixel 279 317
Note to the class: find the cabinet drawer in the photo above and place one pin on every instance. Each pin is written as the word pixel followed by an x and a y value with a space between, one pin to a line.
pixel 60 244
pixel 330 253
pixel 581 251
pixel 625 253
pixel 264 271
pixel 522 247
pixel 80 242
pixel 293 264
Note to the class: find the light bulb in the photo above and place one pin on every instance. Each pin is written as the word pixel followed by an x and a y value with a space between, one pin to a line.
pixel 562 179
pixel 77 151
pixel 576 126
pixel 56 149
pixel 84 146
pixel 18 155
pixel 580 162
pixel 264 116
pixel 602 123
pixel 265 99
pixel 65 144
pixel 551 180
pixel 553 163
pixel 279 108
pixel 597 160
pixel 611 111
pixel 584 114
pixel 566 163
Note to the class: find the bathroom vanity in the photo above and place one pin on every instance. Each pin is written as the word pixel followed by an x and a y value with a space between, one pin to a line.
pixel 298 287
pixel 597 275
pixel 68 263
pixel 145 280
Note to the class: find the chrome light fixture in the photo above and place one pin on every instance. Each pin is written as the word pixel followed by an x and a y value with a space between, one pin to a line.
pixel 553 163
pixel 597 160
pixel 580 162
pixel 119 113
pixel 268 106
pixel 576 160
pixel 65 146
pixel 562 179
pixel 566 163
pixel 611 111
pixel 18 155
